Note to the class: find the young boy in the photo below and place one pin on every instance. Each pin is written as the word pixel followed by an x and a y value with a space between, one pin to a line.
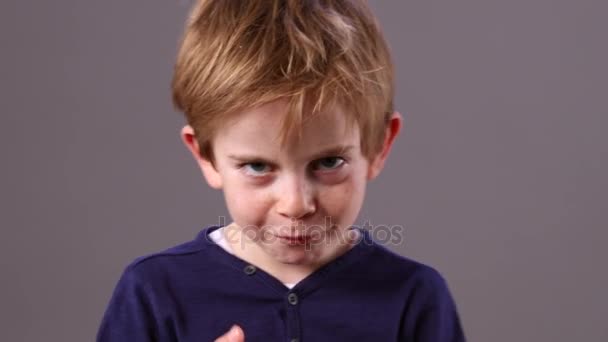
pixel 290 112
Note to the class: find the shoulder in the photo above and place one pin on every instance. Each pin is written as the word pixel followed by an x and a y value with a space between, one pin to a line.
pixel 403 267
pixel 181 250
pixel 170 262
pixel 428 309
pixel 140 301
pixel 416 281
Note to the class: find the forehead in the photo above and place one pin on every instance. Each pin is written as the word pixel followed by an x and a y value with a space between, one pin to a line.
pixel 260 129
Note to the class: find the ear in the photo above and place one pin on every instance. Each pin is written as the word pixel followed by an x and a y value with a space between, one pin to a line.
pixel 212 176
pixel 392 130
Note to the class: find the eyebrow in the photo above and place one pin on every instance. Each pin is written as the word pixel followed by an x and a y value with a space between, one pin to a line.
pixel 331 151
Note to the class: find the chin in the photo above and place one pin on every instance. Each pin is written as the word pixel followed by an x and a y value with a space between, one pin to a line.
pixel 293 256
pixel 293 260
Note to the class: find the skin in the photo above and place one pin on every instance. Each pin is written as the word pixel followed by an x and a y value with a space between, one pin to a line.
pixel 294 189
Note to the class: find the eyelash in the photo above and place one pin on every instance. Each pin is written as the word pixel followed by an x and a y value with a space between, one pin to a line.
pixel 243 166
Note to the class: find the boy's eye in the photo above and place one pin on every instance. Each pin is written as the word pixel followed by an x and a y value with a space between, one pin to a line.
pixel 255 168
pixel 329 163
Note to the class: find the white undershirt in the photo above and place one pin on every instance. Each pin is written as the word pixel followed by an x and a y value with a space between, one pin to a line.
pixel 218 237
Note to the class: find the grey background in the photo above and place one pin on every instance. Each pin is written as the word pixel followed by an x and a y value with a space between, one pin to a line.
pixel 499 176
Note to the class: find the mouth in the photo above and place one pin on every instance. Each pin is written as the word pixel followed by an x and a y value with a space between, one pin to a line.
pixel 295 239
pixel 302 237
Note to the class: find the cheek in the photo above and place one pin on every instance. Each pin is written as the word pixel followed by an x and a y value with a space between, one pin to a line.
pixel 246 206
pixel 343 201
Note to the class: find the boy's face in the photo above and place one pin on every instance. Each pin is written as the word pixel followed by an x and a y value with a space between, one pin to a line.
pixel 307 188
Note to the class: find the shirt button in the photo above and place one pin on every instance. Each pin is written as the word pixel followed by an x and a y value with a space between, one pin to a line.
pixel 249 269
pixel 292 298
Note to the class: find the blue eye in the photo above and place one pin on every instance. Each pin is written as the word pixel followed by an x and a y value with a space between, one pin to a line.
pixel 255 168
pixel 330 163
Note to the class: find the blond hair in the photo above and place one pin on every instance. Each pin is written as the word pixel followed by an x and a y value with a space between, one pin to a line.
pixel 239 54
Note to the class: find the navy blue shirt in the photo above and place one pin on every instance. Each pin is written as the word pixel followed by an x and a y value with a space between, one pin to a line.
pixel 196 291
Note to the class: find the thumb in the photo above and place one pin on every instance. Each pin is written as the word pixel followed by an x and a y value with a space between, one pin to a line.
pixel 235 334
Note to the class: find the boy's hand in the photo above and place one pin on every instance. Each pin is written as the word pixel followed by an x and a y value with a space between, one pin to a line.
pixel 235 334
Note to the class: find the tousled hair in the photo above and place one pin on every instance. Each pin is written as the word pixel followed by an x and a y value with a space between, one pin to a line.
pixel 239 54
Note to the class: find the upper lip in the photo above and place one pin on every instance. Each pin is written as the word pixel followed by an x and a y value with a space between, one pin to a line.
pixel 293 236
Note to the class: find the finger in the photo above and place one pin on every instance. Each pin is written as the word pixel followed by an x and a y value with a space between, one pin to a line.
pixel 235 334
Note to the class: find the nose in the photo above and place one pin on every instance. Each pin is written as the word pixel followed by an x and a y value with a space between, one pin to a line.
pixel 295 198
